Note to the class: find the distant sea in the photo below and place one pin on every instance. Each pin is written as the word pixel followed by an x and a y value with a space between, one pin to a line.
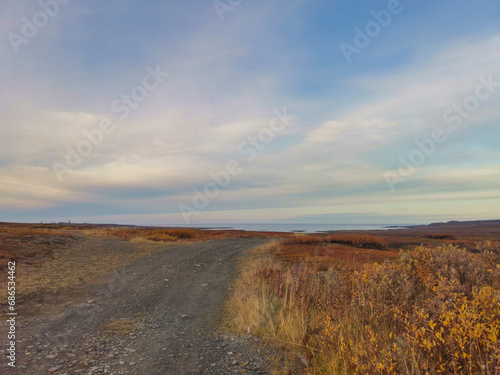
pixel 304 228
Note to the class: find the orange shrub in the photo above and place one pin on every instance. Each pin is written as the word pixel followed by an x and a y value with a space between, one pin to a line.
pixel 440 236
pixel 160 235
pixel 304 240
pixel 359 240
pixel 181 233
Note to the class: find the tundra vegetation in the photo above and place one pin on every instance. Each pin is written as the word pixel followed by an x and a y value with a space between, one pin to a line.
pixel 349 304
pixel 414 301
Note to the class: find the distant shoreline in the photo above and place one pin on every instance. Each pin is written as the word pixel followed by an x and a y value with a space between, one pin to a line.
pixel 291 228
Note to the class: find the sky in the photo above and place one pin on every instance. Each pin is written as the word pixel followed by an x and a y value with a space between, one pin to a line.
pixel 238 111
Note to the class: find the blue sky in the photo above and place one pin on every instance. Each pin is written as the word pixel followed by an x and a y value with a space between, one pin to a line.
pixel 346 151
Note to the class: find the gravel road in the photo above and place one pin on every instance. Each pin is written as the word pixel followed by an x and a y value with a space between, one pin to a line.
pixel 159 315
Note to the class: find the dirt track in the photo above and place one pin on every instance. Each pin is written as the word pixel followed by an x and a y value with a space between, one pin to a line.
pixel 159 315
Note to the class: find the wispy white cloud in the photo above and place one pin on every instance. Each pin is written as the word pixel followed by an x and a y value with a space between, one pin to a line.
pixel 29 187
pixel 226 78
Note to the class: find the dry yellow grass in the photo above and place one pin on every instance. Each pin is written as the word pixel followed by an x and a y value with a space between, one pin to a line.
pixel 157 235
pixel 123 326
pixel 431 311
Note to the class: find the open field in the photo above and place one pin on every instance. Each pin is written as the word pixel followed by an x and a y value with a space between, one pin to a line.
pixel 402 301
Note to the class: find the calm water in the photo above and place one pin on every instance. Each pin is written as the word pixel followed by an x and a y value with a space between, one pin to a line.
pixel 305 228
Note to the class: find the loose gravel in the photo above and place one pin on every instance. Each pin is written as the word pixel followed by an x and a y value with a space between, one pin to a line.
pixel 159 315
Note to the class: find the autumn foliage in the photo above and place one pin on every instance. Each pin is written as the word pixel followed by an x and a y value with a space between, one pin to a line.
pixel 429 311
pixel 158 235
pixel 358 240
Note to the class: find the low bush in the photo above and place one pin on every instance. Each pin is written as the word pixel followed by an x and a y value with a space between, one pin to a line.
pixel 304 240
pixel 358 240
pixel 440 236
pixel 181 233
pixel 434 311
pixel 46 226
pixel 158 235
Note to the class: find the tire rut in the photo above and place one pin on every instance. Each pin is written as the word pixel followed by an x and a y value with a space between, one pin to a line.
pixel 158 315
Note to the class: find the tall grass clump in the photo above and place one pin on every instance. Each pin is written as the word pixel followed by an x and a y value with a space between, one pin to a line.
pixel 157 235
pixel 431 311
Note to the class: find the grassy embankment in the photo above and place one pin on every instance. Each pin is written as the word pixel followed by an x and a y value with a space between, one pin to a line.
pixel 346 304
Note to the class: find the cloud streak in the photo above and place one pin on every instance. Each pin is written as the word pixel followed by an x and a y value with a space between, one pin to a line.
pixel 353 121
